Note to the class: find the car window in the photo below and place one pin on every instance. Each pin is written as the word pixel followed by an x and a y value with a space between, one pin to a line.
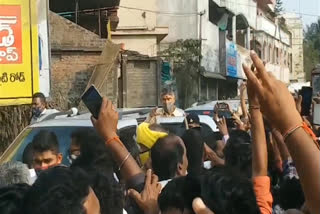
pixel 206 130
pixel 201 112
pixel 179 129
pixel 64 139
pixel 174 128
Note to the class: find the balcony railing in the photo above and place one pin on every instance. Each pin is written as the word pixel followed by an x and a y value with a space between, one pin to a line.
pixel 269 27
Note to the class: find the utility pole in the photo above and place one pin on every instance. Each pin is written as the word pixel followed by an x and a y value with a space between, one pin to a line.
pixel 200 53
pixel 77 11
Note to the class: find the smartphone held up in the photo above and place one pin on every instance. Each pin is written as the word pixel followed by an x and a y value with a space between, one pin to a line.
pixel 93 100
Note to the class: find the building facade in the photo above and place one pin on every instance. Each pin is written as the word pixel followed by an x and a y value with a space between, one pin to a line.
pixel 227 29
pixel 137 29
pixel 295 26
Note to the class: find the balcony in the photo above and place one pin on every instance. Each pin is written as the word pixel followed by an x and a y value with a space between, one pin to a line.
pixel 270 28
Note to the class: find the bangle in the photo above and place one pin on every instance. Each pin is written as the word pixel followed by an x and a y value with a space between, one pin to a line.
pixel 124 160
pixel 290 132
pixel 254 107
pixel 306 128
pixel 116 138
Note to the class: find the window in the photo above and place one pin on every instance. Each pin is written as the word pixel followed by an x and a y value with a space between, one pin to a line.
pixel 277 56
pixel 270 54
pixel 285 58
pixel 265 52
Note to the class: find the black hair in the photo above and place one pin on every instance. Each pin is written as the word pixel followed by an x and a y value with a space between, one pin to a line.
pixel 77 136
pixel 27 155
pixel 166 153
pixel 291 195
pixel 225 191
pixel 40 96
pixel 11 198
pixel 166 91
pixel 238 153
pixel 58 190
pixel 211 140
pixel 157 128
pixel 96 160
pixel 179 194
pixel 45 141
pixel 194 145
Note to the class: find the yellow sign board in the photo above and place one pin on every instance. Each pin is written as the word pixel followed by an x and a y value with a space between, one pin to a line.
pixel 19 52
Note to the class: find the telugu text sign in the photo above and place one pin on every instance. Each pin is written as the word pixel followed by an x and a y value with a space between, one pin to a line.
pixel 10 34
pixel 19 62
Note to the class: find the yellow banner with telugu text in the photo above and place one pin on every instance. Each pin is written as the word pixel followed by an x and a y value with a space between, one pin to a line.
pixel 19 52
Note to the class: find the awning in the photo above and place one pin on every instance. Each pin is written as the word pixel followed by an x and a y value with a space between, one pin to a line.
pixel 213 75
pixel 219 15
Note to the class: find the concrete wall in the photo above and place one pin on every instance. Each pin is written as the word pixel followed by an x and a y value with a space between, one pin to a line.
pixel 295 26
pixel 183 26
pixel 137 28
pixel 279 71
pixel 70 73
pixel 142 83
pixel 144 44
pixel 75 52
pixel 65 34
pixel 210 41
pixel 248 8
pixel 276 54
pixel 272 29
pixel 133 18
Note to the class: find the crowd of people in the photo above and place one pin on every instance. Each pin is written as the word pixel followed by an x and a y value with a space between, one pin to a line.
pixel 268 163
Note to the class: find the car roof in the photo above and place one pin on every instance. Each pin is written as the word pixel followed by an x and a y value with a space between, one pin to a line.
pixel 203 119
pixel 82 120
pixel 210 105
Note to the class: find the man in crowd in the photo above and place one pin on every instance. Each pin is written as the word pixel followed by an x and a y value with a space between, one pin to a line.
pixel 169 158
pixel 14 173
pixel 193 121
pixel 61 190
pixel 168 109
pixel 39 108
pixel 147 135
pixel 45 149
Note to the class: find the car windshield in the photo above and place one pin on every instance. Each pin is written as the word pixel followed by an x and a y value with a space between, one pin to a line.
pixel 179 129
pixel 63 134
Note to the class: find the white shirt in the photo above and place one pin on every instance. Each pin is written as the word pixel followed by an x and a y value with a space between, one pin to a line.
pixel 45 113
pixel 160 112
pixel 164 183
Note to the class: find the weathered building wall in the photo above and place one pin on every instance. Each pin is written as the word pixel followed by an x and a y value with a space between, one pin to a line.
pixel 75 53
pixel 184 26
pixel 142 83
pixel 295 26
pixel 70 73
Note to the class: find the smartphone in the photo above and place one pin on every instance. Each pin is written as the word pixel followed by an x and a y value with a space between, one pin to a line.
pixel 93 100
pixel 306 93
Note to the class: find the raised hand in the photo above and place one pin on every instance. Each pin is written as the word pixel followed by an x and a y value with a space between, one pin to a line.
pixel 222 125
pixel 147 200
pixel 275 100
pixel 107 121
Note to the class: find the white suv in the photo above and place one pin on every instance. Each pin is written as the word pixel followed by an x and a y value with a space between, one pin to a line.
pixel 63 126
